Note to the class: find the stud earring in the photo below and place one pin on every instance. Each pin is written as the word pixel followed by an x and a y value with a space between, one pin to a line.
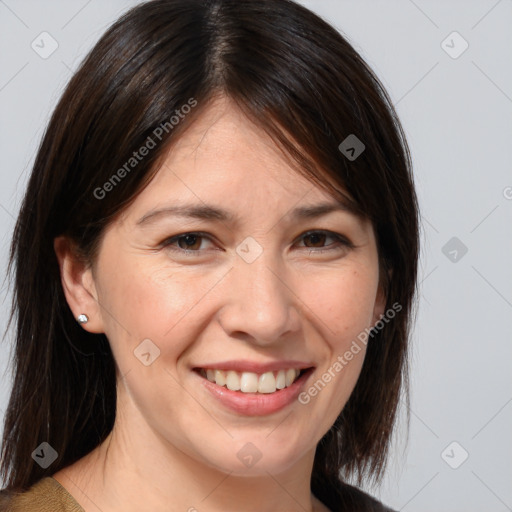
pixel 82 319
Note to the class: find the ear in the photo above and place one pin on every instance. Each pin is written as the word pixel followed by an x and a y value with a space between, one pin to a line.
pixel 381 298
pixel 78 284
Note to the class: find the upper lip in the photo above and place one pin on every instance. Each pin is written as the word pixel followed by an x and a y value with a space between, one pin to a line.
pixel 255 367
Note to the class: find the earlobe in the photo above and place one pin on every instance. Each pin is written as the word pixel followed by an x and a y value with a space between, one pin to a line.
pixel 78 285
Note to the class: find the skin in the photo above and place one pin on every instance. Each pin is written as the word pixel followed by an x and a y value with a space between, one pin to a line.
pixel 173 444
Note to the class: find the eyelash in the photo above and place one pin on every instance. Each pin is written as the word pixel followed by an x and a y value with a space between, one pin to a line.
pixel 340 242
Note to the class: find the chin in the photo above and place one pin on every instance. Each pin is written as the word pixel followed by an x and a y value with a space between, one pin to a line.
pixel 252 456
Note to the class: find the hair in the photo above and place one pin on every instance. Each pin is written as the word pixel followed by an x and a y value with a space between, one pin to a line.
pixel 292 74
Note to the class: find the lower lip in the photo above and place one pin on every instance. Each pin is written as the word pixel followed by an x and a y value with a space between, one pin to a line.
pixel 256 404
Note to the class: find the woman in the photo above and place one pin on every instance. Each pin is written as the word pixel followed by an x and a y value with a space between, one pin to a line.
pixel 214 267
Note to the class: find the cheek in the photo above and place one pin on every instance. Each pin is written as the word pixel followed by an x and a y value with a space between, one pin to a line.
pixel 147 301
pixel 343 301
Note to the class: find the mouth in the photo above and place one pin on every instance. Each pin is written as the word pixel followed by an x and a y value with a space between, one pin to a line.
pixel 252 388
pixel 269 382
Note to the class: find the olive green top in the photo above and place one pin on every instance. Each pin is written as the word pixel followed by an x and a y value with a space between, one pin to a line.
pixel 46 495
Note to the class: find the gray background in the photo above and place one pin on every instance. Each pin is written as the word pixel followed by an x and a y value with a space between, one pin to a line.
pixel 457 113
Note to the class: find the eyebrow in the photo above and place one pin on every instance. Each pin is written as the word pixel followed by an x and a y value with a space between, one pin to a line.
pixel 209 212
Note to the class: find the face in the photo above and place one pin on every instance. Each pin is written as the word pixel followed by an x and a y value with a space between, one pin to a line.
pixel 221 275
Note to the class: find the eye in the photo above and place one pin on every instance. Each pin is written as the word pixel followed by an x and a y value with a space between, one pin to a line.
pixel 317 240
pixel 188 243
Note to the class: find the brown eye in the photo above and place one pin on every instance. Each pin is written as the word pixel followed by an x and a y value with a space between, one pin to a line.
pixel 321 241
pixel 190 242
pixel 315 239
pixel 187 243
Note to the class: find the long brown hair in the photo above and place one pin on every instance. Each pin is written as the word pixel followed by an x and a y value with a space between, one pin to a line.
pixel 292 74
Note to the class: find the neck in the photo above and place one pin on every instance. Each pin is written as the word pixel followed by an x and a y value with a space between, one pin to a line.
pixel 135 469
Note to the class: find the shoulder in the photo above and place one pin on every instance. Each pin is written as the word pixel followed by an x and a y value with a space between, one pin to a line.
pixel 355 499
pixel 46 495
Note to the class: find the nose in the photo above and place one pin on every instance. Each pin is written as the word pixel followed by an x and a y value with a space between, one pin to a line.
pixel 260 305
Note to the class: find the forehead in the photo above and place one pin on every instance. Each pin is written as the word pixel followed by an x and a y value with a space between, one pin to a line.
pixel 224 158
pixel 222 142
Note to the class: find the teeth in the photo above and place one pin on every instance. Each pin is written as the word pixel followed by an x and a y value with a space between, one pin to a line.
pixel 233 381
pixel 281 379
pixel 249 382
pixel 220 377
pixel 290 376
pixel 267 383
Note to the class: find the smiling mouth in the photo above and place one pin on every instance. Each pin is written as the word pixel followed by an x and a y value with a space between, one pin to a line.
pixel 250 382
